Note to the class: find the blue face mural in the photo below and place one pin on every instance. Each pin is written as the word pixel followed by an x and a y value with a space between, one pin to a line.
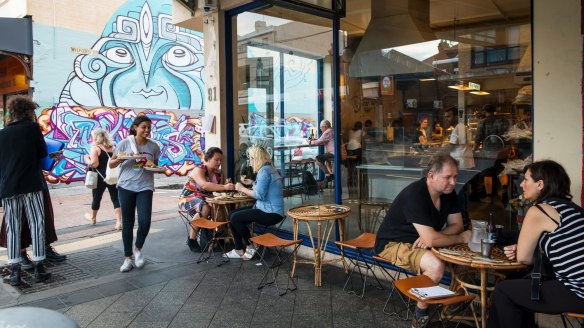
pixel 141 61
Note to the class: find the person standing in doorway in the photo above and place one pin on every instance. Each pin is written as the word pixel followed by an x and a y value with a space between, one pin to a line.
pixel 136 188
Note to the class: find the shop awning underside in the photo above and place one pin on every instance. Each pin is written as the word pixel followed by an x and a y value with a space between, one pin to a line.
pixel 16 35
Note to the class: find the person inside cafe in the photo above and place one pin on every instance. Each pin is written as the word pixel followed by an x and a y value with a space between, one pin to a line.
pixel 554 225
pixel 425 214
pixel 268 208
pixel 327 139
pixel 489 135
pixel 420 133
pixel 201 182
pixel 437 132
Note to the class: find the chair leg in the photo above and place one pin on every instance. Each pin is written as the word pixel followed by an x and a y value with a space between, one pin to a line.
pixel 209 250
pixel 364 268
pixel 405 301
pixel 274 269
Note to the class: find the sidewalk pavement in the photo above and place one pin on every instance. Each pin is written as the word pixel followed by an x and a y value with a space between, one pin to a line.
pixel 172 290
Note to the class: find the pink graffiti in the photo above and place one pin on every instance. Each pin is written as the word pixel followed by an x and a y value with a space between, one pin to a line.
pixel 179 138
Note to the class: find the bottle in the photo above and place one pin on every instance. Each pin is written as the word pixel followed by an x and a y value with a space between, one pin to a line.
pixel 491 229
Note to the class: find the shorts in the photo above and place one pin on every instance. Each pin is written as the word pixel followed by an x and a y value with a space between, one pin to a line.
pixel 403 256
pixel 191 205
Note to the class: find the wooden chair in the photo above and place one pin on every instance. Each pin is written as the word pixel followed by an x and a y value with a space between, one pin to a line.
pixel 392 276
pixel 421 281
pixel 208 250
pixel 272 242
pixel 579 318
pixel 361 243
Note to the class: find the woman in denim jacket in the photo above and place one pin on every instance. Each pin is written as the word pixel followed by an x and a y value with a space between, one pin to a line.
pixel 269 206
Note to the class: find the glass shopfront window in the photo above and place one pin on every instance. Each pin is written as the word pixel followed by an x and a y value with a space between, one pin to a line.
pixel 407 62
pixel 410 71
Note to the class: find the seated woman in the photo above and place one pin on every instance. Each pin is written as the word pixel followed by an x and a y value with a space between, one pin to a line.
pixel 202 181
pixel 555 225
pixel 437 132
pixel 268 209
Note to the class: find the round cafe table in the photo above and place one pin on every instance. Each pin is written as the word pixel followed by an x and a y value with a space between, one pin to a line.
pixel 324 216
pixel 462 256
pixel 223 204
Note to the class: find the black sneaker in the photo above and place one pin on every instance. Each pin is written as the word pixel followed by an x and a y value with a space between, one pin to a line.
pixel 194 245
pixel 53 256
pixel 14 278
pixel 40 274
pixel 421 322
pixel 26 263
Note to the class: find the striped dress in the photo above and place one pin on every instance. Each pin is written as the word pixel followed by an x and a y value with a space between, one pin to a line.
pixel 565 245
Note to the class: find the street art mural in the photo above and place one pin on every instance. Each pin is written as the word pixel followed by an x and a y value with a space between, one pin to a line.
pixel 140 61
pixel 140 65
pixel 179 137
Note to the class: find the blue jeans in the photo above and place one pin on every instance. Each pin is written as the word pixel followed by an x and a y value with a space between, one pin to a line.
pixel 130 201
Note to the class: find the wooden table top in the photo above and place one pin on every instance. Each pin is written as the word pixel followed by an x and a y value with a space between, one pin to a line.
pixel 462 255
pixel 228 200
pixel 319 212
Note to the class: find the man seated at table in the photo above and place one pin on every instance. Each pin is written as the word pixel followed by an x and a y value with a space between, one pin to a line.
pixel 425 214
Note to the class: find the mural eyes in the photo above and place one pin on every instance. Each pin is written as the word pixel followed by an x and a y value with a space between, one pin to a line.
pixel 180 56
pixel 119 55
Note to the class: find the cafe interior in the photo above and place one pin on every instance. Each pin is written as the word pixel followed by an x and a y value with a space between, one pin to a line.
pixel 400 63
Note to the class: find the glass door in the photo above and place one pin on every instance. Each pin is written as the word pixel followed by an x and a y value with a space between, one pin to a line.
pixel 282 90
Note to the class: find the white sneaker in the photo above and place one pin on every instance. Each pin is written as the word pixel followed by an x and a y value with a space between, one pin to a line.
pixel 249 253
pixel 138 259
pixel 127 266
pixel 232 255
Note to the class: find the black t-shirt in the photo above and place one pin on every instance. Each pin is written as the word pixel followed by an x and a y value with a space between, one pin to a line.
pixel 414 205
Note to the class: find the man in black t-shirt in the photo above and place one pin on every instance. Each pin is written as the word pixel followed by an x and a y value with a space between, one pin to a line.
pixel 425 214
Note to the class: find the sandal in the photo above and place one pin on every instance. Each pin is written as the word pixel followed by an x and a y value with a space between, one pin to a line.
pixel 232 255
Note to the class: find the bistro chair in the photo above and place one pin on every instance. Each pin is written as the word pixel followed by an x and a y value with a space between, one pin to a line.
pixel 578 320
pixel 215 227
pixel 361 243
pixel 392 276
pixel 422 281
pixel 277 246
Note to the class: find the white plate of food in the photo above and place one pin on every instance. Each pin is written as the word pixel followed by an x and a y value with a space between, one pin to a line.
pixel 155 169
pixel 129 156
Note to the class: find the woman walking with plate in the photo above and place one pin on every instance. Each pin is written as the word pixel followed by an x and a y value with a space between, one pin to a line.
pixel 136 187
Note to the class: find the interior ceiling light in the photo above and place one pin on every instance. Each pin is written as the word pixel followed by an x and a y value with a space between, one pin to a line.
pixel 427 79
pixel 480 93
pixel 460 87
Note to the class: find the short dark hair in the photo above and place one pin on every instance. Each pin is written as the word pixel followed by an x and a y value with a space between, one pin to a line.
pixel 211 152
pixel 137 121
pixel 556 182
pixel 489 108
pixel 437 162
pixel 453 110
pixel 358 125
pixel 20 108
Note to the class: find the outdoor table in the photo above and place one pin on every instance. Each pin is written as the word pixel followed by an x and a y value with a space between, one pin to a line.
pixel 461 255
pixel 222 204
pixel 325 216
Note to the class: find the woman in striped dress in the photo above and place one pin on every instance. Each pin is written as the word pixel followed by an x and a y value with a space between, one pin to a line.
pixel 556 226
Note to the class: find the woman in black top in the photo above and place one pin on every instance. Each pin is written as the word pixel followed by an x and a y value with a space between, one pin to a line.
pixel 554 226
pixel 21 184
pixel 98 158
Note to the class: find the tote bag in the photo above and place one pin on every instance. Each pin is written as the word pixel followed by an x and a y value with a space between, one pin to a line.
pixel 91 179
pixel 111 175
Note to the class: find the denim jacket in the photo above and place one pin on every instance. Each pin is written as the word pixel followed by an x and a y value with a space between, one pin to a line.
pixel 267 190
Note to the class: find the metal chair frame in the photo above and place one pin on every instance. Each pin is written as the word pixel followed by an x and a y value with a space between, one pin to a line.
pixel 358 264
pixel 209 248
pixel 279 245
pixel 392 277
pixel 578 316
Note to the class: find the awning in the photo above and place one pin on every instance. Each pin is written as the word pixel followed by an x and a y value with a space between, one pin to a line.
pixel 16 35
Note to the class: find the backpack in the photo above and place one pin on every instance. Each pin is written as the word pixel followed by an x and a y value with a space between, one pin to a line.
pixel 309 183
